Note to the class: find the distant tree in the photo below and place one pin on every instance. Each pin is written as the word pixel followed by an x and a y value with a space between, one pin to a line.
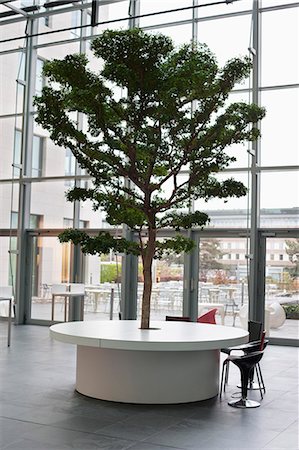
pixel 135 146
pixel 209 256
pixel 292 249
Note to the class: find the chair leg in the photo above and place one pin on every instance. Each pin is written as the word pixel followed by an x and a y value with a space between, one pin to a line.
pixel 260 383
pixel 226 374
pixel 65 308
pixel 222 387
pixel 258 369
pixel 52 312
pixel 252 385
pixel 244 402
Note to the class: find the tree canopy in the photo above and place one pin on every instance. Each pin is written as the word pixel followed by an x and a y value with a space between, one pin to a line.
pixel 151 112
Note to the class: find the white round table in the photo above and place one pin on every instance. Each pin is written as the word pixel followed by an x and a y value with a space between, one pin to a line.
pixel 173 362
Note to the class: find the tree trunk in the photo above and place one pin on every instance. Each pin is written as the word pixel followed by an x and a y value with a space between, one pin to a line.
pixel 148 281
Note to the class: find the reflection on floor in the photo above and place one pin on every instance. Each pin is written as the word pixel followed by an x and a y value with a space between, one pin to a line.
pixel 40 410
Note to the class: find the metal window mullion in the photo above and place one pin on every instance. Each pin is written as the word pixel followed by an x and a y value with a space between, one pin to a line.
pixel 77 261
pixel 23 282
pixel 128 302
pixel 191 278
pixel 255 308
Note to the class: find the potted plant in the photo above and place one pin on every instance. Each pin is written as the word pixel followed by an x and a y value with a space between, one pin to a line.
pixel 172 116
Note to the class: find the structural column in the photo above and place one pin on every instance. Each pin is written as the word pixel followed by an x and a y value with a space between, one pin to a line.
pixel 23 281
pixel 256 302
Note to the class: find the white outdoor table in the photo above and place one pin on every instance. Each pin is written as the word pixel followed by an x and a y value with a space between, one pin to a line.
pixel 9 300
pixel 177 362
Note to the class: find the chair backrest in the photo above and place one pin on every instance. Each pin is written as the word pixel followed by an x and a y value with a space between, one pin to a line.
pixel 58 288
pixel 256 346
pixel 6 291
pixel 255 330
pixel 208 317
pixel 78 288
pixel 177 319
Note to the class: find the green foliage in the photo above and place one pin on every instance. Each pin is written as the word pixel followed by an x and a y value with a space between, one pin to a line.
pixel 148 135
pixel 292 249
pixel 174 245
pixel 172 115
pixel 292 311
pixel 110 273
pixel 100 244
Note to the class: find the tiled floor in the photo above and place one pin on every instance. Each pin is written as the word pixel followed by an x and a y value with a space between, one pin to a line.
pixel 39 409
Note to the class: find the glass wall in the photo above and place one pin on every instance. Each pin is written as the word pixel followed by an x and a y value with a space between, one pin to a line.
pixel 271 178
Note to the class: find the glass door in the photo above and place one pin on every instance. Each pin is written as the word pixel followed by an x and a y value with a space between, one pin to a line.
pixel 223 275
pixel 52 270
pixel 282 287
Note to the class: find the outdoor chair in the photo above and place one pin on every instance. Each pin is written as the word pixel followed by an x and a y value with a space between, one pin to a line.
pixel 7 298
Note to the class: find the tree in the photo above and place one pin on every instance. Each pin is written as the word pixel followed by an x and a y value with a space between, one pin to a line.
pixel 292 249
pixel 209 255
pixel 172 117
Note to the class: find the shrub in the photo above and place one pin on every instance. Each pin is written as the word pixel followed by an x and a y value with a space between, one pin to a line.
pixel 292 311
pixel 109 273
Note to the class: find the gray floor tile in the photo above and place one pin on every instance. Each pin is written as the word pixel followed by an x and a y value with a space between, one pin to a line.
pixel 40 410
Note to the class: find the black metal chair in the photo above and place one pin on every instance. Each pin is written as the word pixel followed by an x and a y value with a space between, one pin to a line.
pixel 255 330
pixel 250 348
pixel 247 349
pixel 246 364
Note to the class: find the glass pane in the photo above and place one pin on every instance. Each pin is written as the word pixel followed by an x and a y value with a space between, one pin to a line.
pixel 52 271
pixel 280 135
pixel 180 34
pixel 57 51
pixel 239 151
pixel 266 3
pixel 10 69
pixel 102 286
pixel 114 11
pixel 223 278
pixel 280 190
pixel 7 143
pixel 37 156
pixel 48 200
pixel 280 47
pixel 51 265
pixel 230 213
pixel 7 275
pixel 220 36
pixel 9 198
pixel 157 6
pixel 279 217
pixel 39 81
pixel 222 8
pixel 282 298
pixel 167 293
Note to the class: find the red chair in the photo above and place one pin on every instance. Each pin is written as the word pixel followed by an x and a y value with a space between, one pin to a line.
pixel 208 317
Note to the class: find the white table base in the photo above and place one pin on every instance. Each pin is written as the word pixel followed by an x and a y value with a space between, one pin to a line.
pixel 147 377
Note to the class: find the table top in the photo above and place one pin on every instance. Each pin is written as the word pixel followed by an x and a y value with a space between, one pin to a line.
pixel 163 336
pixel 68 294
